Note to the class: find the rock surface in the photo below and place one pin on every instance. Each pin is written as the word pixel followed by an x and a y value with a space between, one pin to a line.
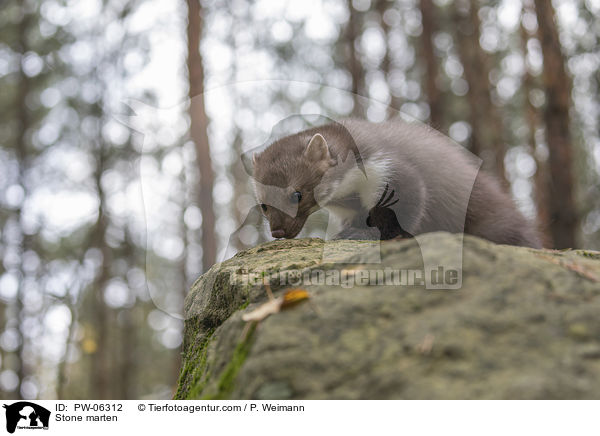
pixel 524 325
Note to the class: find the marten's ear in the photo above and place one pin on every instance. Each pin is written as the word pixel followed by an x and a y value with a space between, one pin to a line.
pixel 249 162
pixel 317 149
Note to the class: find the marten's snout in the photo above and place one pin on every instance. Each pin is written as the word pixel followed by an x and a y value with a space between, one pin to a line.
pixel 283 225
pixel 278 233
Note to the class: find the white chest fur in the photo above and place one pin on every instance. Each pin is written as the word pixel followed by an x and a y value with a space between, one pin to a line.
pixel 366 188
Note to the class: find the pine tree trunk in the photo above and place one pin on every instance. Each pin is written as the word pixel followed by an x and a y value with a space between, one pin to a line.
pixel 127 362
pixel 354 65
pixel 540 180
pixel 22 155
pixel 101 365
pixel 563 214
pixel 386 63
pixel 486 123
pixel 199 134
pixel 434 97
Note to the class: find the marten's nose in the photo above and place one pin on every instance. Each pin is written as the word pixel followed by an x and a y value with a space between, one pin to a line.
pixel 278 233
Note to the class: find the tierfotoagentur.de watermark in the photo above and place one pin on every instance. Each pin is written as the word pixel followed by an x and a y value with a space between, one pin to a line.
pixel 350 277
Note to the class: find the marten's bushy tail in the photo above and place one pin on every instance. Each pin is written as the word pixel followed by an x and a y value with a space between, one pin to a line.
pixel 502 224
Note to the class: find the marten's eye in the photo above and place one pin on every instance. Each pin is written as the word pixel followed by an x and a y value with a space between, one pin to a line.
pixel 296 197
pixel 263 207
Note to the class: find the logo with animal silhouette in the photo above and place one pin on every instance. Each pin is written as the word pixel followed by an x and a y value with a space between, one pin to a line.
pixel 26 415
pixel 384 218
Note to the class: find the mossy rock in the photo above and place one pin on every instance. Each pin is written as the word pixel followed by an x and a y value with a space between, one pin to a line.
pixel 524 325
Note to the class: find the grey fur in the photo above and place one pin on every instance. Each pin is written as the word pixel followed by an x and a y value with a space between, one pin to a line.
pixel 433 179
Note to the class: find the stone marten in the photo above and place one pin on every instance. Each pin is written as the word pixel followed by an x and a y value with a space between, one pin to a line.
pixel 350 168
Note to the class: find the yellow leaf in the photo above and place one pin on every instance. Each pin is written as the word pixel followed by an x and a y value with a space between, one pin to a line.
pixel 294 296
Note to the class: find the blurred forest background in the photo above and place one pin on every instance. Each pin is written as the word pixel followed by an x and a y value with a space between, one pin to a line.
pixel 83 263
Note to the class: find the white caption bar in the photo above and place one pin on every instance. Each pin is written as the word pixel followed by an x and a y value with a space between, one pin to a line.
pixel 22 418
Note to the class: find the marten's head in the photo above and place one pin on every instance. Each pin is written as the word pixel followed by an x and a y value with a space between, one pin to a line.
pixel 286 176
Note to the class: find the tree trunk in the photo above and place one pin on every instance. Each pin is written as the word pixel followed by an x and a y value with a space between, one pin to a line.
pixel 386 63
pixel 22 154
pixel 434 97
pixel 127 356
pixel 61 374
pixel 101 368
pixel 563 214
pixel 199 134
pixel 354 65
pixel 540 181
pixel 486 124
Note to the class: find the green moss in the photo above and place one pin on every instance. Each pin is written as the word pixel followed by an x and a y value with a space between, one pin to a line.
pixel 589 254
pixel 194 375
pixel 190 384
pixel 227 379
